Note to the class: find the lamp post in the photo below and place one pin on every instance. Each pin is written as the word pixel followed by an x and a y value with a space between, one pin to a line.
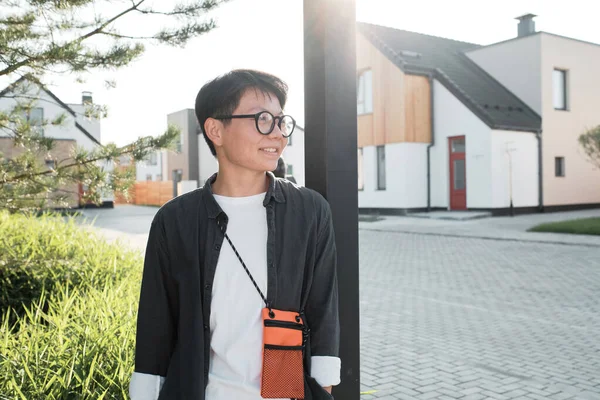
pixel 331 155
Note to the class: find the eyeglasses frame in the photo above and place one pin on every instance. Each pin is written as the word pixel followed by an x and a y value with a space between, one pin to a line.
pixel 257 116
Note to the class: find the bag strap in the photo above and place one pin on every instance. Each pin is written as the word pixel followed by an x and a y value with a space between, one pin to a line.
pixel 248 272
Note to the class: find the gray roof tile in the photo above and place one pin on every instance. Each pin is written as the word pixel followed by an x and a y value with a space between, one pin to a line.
pixel 416 53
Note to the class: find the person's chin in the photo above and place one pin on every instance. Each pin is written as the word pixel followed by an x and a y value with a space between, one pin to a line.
pixel 269 165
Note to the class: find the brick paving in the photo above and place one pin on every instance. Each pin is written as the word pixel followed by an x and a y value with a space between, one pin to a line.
pixel 464 318
pixel 448 315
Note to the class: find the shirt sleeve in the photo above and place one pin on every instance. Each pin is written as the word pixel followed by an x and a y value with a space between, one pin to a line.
pixel 322 305
pixel 145 387
pixel 157 319
pixel 326 370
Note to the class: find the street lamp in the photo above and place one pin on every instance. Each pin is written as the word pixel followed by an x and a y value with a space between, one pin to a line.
pixel 331 155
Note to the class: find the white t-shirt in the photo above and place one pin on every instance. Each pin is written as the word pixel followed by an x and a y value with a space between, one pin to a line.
pixel 235 320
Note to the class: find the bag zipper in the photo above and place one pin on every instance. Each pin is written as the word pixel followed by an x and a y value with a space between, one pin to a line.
pixel 277 347
pixel 283 324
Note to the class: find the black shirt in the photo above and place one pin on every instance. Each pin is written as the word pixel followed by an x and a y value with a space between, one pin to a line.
pixel 186 235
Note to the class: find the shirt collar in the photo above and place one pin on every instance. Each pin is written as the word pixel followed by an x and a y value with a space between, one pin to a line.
pixel 274 191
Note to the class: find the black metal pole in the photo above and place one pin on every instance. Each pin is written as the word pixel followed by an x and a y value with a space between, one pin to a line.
pixel 331 155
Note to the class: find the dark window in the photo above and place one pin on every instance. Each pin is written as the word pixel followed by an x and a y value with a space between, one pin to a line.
pixel 559 166
pixel 459 175
pixel 381 167
pixel 51 164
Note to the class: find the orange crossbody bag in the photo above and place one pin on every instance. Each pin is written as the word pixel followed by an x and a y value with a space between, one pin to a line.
pixel 284 340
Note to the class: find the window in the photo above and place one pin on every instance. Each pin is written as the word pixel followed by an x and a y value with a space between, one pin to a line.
pixel 361 180
pixel 459 175
pixel 35 117
pixel 51 164
pixel 152 159
pixel 381 167
pixel 458 145
pixel 559 166
pixel 180 143
pixel 364 92
pixel 559 89
pixel 289 170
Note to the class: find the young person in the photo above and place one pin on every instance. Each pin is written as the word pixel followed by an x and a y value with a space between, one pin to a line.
pixel 244 242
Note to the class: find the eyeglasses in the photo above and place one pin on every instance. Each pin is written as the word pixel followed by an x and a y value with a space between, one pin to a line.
pixel 265 122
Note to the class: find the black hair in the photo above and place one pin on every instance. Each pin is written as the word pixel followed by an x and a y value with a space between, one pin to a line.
pixel 222 95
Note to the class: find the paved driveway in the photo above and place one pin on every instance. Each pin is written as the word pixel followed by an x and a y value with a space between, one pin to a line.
pixel 452 317
pixel 455 310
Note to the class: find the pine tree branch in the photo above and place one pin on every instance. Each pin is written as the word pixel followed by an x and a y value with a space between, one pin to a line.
pixel 74 164
pixel 32 59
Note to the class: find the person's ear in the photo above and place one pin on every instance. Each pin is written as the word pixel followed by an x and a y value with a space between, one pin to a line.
pixel 214 131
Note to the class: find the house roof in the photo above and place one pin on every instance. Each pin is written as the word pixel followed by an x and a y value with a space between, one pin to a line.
pixel 64 105
pixel 445 59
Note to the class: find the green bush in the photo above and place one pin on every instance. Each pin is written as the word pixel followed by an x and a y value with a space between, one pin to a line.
pixel 38 253
pixel 74 337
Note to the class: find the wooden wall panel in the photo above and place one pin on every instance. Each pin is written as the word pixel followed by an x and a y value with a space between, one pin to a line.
pixel 365 130
pixel 400 102
pixel 154 193
pixel 417 99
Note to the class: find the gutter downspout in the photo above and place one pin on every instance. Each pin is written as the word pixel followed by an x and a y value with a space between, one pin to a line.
pixel 431 119
pixel 538 135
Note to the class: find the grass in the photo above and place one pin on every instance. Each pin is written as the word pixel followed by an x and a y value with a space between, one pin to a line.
pixel 69 304
pixel 583 226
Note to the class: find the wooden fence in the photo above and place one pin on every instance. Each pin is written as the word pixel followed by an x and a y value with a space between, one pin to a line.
pixel 149 193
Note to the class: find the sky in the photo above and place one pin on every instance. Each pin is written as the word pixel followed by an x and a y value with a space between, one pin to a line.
pixel 268 35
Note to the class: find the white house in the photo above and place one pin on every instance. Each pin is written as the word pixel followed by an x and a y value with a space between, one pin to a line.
pixel 450 125
pixel 49 107
pixel 558 78
pixel 76 130
pixel 151 168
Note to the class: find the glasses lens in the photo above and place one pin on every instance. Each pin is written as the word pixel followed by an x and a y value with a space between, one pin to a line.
pixel 265 123
pixel 287 125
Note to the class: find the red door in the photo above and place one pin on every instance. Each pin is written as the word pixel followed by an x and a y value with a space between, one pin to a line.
pixel 458 173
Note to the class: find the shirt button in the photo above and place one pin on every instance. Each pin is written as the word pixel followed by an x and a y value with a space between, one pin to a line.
pixel 207 287
pixel 205 327
pixel 217 247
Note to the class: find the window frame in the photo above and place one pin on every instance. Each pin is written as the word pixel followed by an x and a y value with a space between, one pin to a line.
pixel 364 93
pixel 35 125
pixel 564 82
pixel 380 150
pixel 559 167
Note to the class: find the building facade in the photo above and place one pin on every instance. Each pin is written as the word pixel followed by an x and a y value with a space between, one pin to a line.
pixel 452 125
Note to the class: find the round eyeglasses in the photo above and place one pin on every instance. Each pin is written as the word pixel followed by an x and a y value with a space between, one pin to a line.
pixel 265 122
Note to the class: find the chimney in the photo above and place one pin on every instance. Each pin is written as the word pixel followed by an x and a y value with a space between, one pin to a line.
pixel 526 25
pixel 86 98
